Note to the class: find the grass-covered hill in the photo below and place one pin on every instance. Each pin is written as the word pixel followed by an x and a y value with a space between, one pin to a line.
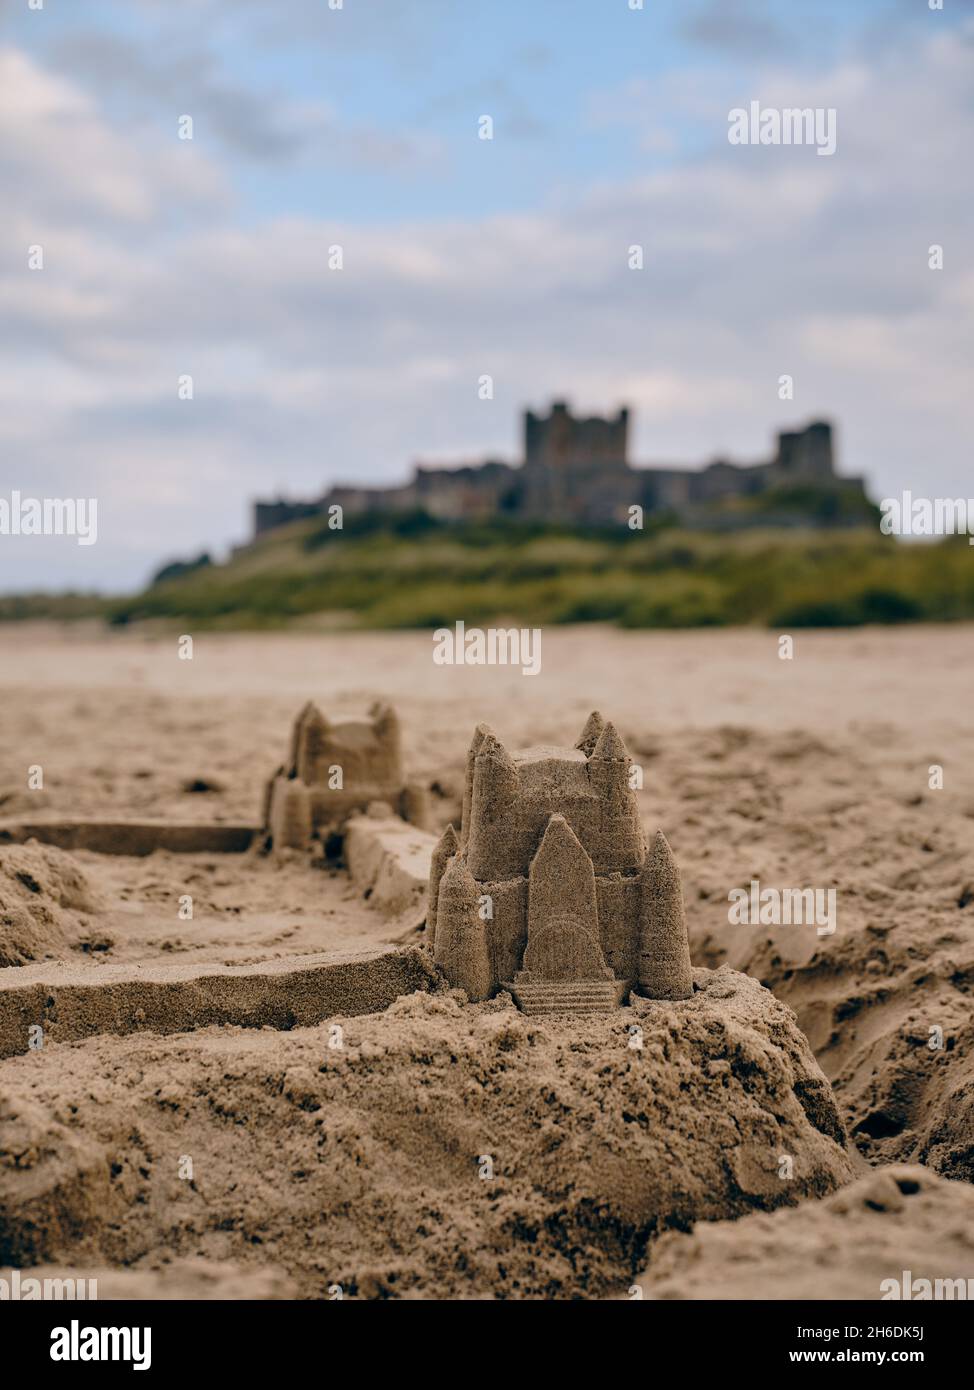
pixel 414 572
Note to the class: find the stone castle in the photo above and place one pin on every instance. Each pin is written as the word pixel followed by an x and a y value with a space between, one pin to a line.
pixel 577 471
pixel 549 890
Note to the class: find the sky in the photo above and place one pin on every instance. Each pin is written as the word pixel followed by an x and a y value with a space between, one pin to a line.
pixel 358 126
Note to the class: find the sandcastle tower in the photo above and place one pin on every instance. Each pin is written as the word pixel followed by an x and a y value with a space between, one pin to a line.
pixel 664 950
pixel 335 768
pixel 461 946
pixel 548 890
pixel 447 846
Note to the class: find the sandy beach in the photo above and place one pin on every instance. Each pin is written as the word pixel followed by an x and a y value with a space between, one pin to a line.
pixel 813 772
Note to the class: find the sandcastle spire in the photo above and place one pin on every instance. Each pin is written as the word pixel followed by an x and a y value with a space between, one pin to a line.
pixel 495 788
pixel 291 767
pixel 609 746
pixel 289 813
pixel 460 947
pixel 385 722
pixel 664 951
pixel 478 738
pixel 446 848
pixel 589 737
pixel 621 843
pixel 312 736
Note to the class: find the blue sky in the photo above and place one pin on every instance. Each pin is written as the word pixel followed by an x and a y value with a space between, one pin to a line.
pixel 358 126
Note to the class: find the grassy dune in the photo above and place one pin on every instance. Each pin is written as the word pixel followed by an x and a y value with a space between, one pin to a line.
pixel 413 572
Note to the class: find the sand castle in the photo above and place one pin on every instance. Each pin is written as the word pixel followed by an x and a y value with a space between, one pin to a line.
pixel 549 889
pixel 336 767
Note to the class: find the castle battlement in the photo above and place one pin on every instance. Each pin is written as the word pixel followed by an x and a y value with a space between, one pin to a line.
pixel 548 889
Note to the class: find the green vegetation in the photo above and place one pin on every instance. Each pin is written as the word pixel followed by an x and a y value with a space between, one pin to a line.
pixel 69 607
pixel 413 571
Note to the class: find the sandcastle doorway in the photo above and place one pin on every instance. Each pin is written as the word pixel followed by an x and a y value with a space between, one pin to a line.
pixel 564 949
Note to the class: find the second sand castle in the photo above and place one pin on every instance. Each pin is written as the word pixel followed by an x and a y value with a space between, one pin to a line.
pixel 335 768
pixel 549 889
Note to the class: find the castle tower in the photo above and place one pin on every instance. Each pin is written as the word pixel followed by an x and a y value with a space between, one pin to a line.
pixel 446 848
pixel 267 800
pixel 573 467
pixel 296 727
pixel 664 951
pixel 460 948
pixel 312 739
pixel 495 789
pixel 388 733
pixel 478 737
pixel 807 455
pixel 621 839
pixel 289 816
pixel 589 736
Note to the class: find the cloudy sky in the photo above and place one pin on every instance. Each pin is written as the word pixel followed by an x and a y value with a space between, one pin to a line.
pixel 358 126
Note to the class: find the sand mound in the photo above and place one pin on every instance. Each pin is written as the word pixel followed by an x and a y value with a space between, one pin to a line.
pixel 887 1010
pixel 897 1219
pixel 44 900
pixel 444 1150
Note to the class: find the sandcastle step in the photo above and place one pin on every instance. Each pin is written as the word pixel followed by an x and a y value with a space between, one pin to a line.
pixel 570 996
pixel 544 1010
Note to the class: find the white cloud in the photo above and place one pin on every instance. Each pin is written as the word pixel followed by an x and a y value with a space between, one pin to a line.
pixel 70 164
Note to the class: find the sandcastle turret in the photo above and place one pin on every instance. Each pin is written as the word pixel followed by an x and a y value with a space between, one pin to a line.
pixel 289 814
pixel 447 847
pixel 589 736
pixel 479 734
pixel 621 843
pixel 312 739
pixel 387 730
pixel 460 948
pixel 664 950
pixel 495 788
pixel 291 767
pixel 608 765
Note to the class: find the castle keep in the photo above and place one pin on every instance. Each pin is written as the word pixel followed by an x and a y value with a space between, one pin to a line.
pixel 578 471
pixel 549 890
